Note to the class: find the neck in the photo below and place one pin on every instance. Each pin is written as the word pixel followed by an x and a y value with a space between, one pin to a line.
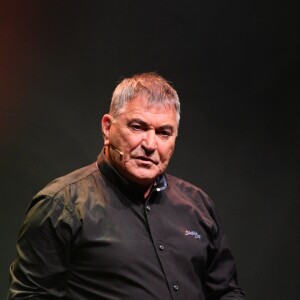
pixel 147 192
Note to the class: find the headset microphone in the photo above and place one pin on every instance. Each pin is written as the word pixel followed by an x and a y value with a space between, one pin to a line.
pixel 118 151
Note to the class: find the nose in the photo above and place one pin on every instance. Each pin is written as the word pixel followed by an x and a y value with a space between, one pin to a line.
pixel 149 142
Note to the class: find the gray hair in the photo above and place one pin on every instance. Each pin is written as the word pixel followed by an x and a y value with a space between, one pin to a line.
pixel 155 88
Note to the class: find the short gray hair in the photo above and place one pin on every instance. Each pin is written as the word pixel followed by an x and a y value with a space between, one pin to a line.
pixel 155 88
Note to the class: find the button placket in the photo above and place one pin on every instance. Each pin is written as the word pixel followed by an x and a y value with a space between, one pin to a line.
pixel 160 243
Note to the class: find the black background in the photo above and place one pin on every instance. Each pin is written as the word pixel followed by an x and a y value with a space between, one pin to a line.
pixel 235 65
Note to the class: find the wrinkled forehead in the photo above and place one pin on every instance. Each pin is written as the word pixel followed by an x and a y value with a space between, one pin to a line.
pixel 145 102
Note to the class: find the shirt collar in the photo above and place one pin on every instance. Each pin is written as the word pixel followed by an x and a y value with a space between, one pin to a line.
pixel 160 183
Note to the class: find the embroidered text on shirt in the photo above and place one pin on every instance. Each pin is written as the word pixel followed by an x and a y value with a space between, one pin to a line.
pixel 193 233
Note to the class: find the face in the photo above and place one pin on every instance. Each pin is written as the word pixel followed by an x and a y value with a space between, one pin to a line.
pixel 141 140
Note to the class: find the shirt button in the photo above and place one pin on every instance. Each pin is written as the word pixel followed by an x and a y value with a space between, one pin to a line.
pixel 148 208
pixel 175 287
pixel 161 247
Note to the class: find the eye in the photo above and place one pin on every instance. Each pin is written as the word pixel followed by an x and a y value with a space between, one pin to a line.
pixel 165 133
pixel 136 127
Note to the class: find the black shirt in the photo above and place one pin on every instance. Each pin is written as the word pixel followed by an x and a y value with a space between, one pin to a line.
pixel 92 235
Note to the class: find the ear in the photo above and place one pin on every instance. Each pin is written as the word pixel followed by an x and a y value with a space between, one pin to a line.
pixel 106 123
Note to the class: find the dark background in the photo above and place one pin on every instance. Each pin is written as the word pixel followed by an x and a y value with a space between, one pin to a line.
pixel 235 65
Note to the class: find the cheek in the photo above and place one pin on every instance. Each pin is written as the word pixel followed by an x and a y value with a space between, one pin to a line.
pixel 166 153
pixel 130 142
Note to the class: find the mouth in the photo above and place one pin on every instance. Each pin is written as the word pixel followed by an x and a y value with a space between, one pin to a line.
pixel 147 159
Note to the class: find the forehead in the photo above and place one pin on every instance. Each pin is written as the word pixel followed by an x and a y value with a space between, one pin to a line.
pixel 140 108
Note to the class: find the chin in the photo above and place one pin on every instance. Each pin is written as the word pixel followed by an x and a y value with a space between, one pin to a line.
pixel 144 179
pixel 142 175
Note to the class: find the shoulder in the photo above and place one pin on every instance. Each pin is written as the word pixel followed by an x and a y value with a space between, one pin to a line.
pixel 69 180
pixel 57 201
pixel 187 193
pixel 64 190
pixel 184 187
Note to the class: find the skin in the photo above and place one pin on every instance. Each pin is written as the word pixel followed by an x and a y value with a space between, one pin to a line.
pixel 145 135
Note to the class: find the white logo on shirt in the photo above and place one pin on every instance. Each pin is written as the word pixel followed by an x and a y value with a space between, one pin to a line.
pixel 193 233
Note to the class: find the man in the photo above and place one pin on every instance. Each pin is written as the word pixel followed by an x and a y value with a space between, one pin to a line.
pixel 121 228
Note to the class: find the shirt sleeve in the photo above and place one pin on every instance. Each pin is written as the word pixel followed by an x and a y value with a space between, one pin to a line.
pixel 222 283
pixel 43 250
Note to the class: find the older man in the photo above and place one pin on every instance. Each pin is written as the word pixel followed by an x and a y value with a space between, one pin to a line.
pixel 121 228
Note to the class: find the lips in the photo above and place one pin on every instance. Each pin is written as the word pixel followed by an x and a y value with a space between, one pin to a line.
pixel 146 159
